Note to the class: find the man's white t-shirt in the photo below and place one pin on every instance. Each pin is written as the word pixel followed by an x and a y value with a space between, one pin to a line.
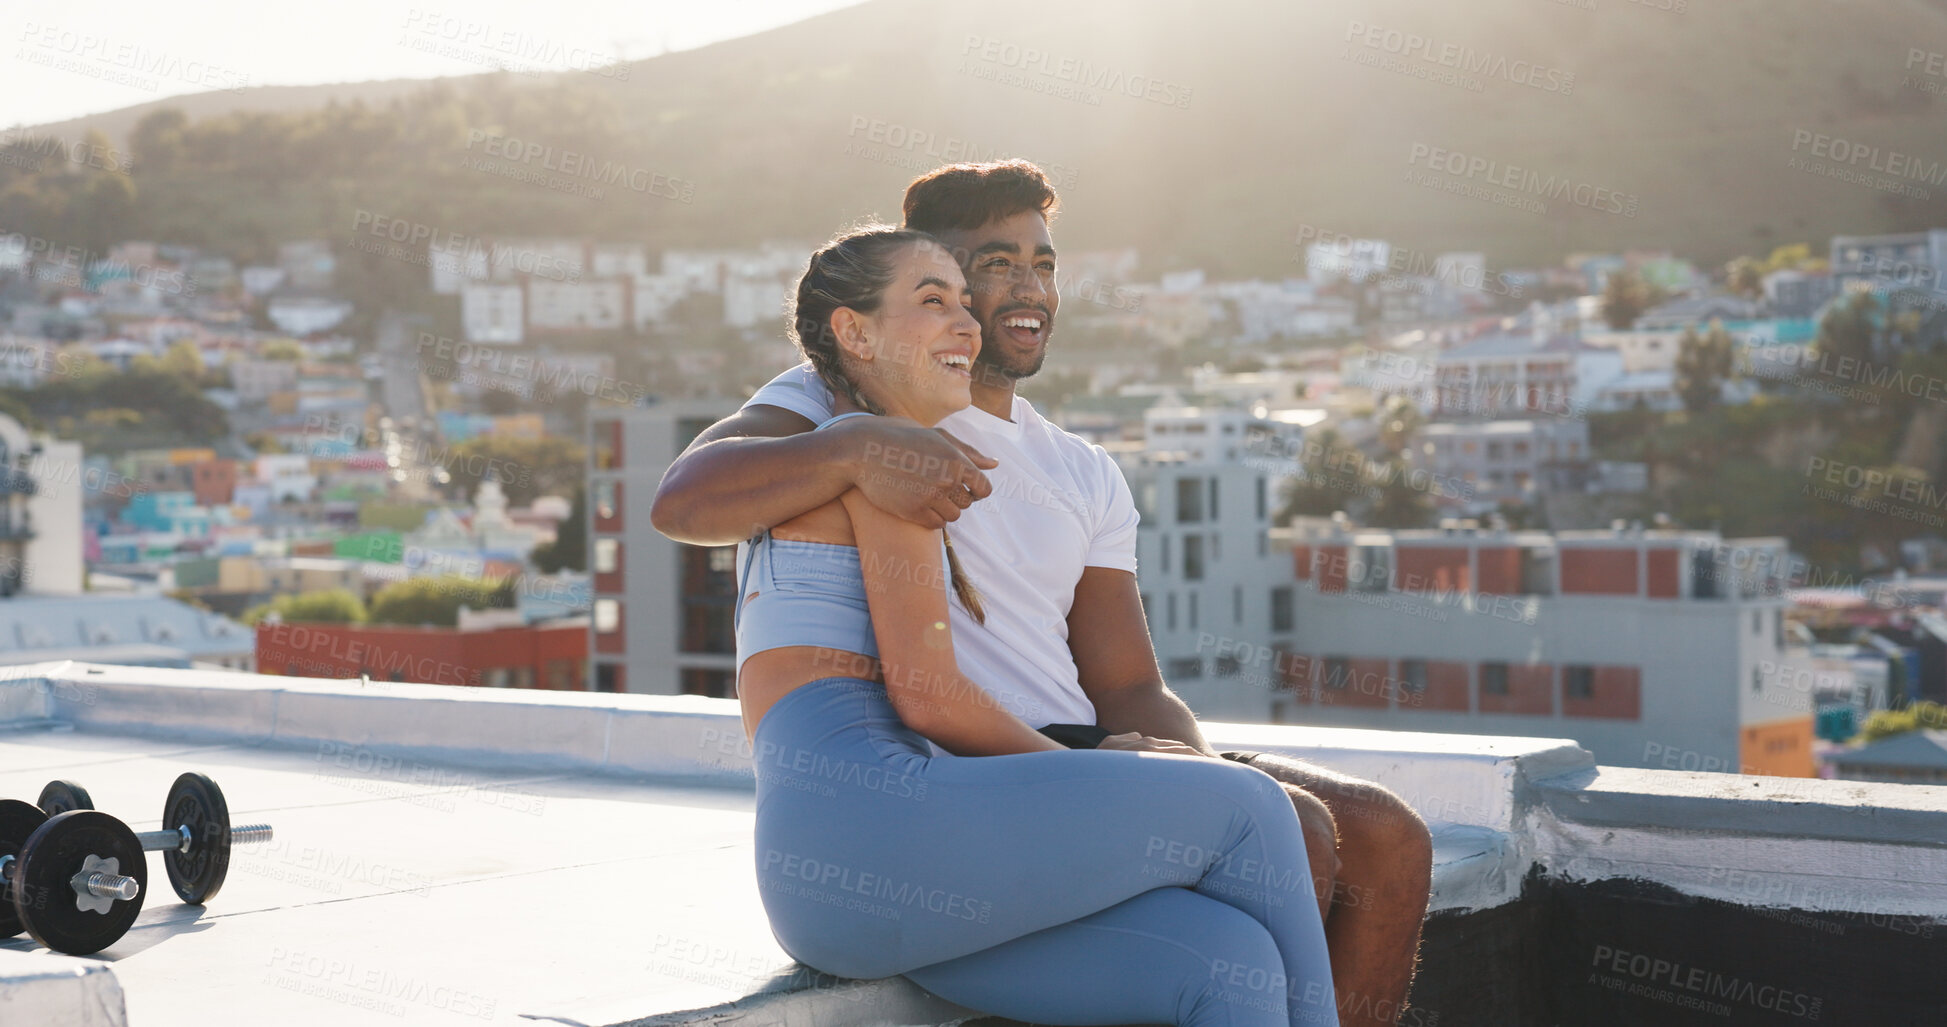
pixel 1059 505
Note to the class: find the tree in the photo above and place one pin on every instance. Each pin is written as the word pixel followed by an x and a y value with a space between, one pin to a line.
pixel 326 606
pixel 282 349
pixel 1745 276
pixel 525 467
pixel 1626 296
pixel 1704 364
pixel 1402 500
pixel 437 600
pixel 1849 329
pixel 569 550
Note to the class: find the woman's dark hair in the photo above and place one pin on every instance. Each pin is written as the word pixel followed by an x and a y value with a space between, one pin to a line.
pixel 853 271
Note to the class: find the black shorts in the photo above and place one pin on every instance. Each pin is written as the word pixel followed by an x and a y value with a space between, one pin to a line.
pixel 1090 736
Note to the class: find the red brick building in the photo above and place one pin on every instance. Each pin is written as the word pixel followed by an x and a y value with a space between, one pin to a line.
pixel 550 656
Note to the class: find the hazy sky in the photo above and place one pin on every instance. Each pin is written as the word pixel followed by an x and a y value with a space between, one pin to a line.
pixel 63 61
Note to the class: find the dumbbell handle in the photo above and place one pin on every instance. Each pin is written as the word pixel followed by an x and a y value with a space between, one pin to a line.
pixel 181 840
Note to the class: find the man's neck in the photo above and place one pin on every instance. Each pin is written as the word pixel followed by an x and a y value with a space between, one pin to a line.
pixel 995 395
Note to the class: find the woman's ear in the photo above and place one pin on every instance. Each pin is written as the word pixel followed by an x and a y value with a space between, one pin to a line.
pixel 848 330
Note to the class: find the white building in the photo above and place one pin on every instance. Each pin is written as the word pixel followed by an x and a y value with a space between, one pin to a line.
pixel 655 297
pixel 453 271
pixel 663 611
pixel 617 260
pixel 493 312
pixel 577 306
pixel 306 315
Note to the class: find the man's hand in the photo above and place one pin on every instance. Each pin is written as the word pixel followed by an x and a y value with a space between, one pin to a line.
pixel 1136 741
pixel 923 475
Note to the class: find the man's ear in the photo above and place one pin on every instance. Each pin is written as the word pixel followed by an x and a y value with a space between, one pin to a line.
pixel 848 330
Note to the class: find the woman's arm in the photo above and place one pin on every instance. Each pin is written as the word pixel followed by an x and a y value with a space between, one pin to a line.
pixel 906 590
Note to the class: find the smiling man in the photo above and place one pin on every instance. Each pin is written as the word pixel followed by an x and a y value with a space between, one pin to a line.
pixel 1046 529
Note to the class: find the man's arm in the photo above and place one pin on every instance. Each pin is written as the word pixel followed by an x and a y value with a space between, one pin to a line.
pixel 763 465
pixel 1117 662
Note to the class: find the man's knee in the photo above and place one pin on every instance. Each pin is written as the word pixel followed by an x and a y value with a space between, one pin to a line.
pixel 1320 827
pixel 1381 823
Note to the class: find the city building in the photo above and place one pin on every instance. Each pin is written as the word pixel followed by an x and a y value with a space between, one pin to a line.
pixel 592 305
pixel 499 655
pixel 1509 461
pixel 1901 260
pixel 1202 484
pixel 1506 374
pixel 1640 645
pixel 492 312
pixel 663 612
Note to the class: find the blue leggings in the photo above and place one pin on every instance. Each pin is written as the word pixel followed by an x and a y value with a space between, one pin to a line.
pixel 1072 887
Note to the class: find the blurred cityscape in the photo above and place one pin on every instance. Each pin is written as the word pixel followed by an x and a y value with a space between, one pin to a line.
pixel 1684 515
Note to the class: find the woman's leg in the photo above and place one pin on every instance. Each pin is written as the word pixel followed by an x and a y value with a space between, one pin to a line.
pixel 1167 956
pixel 877 860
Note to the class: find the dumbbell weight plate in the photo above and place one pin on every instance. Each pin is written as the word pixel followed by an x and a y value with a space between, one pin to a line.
pixel 61 796
pixel 18 822
pixel 44 896
pixel 196 801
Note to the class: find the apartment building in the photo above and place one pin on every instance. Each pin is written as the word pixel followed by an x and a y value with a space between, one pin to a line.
pixel 662 615
pixel 1646 647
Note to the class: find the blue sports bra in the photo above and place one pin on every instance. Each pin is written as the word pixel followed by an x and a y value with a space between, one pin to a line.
pixel 803 593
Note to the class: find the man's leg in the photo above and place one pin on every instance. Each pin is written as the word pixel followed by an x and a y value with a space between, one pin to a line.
pixel 1383 881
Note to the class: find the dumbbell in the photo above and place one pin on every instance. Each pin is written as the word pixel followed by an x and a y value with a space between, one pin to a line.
pixel 83 853
pixel 61 796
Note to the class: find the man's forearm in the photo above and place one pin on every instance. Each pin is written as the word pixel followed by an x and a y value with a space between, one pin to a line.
pixel 728 490
pixel 1155 711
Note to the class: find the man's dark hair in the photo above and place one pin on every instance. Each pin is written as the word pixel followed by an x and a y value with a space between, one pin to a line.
pixel 963 197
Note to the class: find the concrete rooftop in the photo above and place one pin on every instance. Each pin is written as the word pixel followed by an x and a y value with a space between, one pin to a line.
pixel 449 855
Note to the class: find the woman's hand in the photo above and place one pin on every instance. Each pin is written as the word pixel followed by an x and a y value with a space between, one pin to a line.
pixel 1136 741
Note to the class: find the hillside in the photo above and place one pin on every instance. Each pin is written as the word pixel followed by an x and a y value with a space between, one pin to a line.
pixel 1692 116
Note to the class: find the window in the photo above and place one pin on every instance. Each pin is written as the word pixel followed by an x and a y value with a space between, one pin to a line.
pixel 717 684
pixel 1281 611
pixel 708 592
pixel 1185 667
pixel 605 500
pixel 1213 499
pixel 1494 679
pixel 1166 552
pixel 609 678
pixel 1193 558
pixel 1171 602
pixel 608 445
pixel 1262 499
pixel 608 615
pixel 1578 682
pixel 1494 451
pixel 1189 501
pixel 607 555
pixel 1412 676
pixel 1227 666
pixel 1193 611
pixel 1237 604
pixel 1338 672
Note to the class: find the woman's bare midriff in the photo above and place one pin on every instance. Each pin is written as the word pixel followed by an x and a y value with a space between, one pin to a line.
pixel 773 674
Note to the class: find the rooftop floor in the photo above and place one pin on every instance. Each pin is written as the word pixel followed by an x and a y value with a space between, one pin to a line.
pixel 456 855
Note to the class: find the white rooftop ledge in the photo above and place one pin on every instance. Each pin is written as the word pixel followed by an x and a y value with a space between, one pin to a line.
pixel 49 990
